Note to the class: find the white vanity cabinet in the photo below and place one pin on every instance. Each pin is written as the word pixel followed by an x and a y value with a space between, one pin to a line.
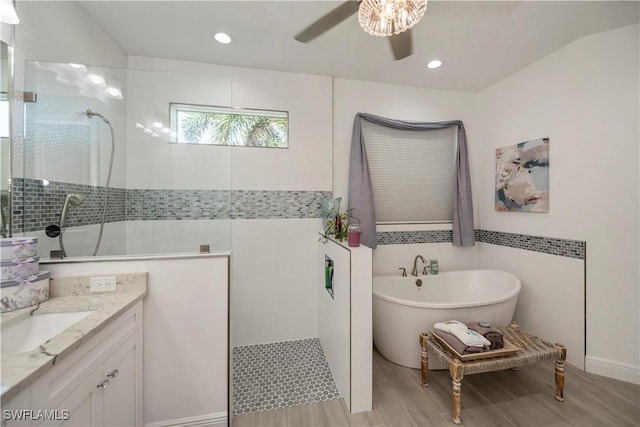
pixel 98 384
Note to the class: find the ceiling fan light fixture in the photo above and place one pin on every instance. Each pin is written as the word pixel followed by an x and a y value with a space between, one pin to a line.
pixel 385 18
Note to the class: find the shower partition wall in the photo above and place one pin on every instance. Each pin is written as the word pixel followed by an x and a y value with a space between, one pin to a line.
pixel 162 198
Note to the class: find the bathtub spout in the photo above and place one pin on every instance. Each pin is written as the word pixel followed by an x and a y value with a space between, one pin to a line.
pixel 414 272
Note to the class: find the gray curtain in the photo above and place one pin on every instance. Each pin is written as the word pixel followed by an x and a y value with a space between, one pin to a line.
pixel 361 191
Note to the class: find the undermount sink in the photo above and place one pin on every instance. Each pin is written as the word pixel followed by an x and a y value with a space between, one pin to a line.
pixel 32 331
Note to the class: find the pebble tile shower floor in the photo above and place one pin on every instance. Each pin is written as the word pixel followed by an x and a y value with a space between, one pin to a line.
pixel 271 376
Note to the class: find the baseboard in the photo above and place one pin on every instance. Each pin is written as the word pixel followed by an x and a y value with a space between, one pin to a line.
pixel 207 420
pixel 612 369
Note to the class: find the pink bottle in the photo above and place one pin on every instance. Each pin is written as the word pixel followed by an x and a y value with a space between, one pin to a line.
pixel 353 235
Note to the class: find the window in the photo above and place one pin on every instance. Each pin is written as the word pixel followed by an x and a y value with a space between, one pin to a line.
pixel 197 124
pixel 412 173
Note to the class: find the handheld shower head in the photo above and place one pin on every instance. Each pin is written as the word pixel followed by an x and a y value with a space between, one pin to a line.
pixel 91 114
pixel 75 200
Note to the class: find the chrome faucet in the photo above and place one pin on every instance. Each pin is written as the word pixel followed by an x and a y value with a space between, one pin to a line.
pixel 414 272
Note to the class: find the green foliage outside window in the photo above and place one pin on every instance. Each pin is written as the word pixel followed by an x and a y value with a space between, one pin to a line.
pixel 216 126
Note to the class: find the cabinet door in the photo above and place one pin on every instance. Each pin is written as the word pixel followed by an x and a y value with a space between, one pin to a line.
pixel 122 401
pixel 83 408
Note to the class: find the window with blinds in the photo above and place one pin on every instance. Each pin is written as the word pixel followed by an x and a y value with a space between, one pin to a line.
pixel 412 173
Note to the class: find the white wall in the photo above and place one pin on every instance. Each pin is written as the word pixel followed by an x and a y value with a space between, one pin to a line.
pixel 152 161
pixel 584 97
pixel 274 297
pixel 185 334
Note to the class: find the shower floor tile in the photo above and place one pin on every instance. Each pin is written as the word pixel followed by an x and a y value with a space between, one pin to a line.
pixel 271 376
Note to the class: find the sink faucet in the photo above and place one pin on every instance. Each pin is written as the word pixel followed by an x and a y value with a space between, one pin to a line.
pixel 414 272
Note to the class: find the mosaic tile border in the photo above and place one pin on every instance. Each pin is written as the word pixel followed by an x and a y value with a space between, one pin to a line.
pixel 410 237
pixel 277 375
pixel 548 245
pixel 35 206
pixel 153 205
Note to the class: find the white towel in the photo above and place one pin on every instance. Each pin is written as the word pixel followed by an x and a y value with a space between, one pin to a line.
pixel 467 336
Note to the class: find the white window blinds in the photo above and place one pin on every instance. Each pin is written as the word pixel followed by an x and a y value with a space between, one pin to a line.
pixel 412 172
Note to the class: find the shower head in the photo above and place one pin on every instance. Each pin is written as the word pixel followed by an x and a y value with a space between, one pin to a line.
pixel 93 114
pixel 75 200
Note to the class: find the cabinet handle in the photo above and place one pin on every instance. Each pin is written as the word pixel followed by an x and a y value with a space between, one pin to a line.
pixel 113 373
pixel 103 384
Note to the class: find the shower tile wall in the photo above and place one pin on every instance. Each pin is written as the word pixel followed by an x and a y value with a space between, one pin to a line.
pixel 61 143
pixel 35 205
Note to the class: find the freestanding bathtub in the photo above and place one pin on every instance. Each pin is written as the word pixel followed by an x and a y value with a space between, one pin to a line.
pixel 402 310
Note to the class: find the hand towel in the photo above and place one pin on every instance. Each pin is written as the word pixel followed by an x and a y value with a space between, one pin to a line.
pixel 463 333
pixel 458 345
pixel 492 334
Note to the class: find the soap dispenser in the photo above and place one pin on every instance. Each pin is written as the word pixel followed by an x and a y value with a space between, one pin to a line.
pixel 433 266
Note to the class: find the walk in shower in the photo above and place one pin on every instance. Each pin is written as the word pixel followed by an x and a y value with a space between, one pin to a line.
pixel 95 173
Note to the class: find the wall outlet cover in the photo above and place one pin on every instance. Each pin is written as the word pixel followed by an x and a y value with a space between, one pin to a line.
pixel 103 284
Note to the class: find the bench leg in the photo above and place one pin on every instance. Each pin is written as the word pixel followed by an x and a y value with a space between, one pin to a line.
pixel 457 373
pixel 424 360
pixel 560 372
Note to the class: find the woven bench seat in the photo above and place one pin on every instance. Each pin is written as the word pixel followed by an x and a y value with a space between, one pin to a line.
pixel 531 350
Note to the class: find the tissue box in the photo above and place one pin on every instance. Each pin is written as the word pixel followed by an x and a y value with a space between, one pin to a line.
pixel 19 267
pixel 18 247
pixel 24 292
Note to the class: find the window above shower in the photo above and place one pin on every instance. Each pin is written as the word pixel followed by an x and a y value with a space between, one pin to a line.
pixel 209 125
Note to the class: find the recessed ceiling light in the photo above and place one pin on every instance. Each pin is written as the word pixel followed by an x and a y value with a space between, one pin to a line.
pixel 436 63
pixel 223 38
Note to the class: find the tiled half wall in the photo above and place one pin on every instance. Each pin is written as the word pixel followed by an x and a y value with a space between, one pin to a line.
pixel 35 205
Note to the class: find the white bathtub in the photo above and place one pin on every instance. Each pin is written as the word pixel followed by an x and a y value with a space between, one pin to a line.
pixel 402 310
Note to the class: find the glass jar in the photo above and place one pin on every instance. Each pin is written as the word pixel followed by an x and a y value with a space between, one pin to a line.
pixel 353 235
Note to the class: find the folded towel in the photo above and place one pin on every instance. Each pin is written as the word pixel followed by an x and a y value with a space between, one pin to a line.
pixel 456 344
pixel 463 333
pixel 492 334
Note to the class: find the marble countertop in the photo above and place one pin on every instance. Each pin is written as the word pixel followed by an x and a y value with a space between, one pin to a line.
pixel 67 295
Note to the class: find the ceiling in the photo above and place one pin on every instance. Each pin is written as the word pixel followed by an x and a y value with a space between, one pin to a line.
pixel 480 42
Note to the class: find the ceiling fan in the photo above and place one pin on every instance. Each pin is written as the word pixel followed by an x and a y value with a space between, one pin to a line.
pixel 388 18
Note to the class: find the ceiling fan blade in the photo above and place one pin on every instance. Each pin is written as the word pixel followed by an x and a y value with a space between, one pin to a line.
pixel 328 21
pixel 401 45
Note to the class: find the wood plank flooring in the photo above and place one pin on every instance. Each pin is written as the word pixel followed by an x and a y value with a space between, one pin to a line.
pixel 506 398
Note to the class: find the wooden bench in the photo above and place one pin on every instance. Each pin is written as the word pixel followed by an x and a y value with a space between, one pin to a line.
pixel 531 350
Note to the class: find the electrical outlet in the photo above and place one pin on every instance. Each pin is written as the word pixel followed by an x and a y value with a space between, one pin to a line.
pixel 103 284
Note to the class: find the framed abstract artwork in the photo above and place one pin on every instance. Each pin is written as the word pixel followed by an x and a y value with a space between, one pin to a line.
pixel 522 177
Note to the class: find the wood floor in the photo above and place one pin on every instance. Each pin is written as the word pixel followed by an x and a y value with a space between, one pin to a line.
pixel 505 398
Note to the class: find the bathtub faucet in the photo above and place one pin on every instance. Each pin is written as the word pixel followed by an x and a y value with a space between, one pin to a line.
pixel 414 272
